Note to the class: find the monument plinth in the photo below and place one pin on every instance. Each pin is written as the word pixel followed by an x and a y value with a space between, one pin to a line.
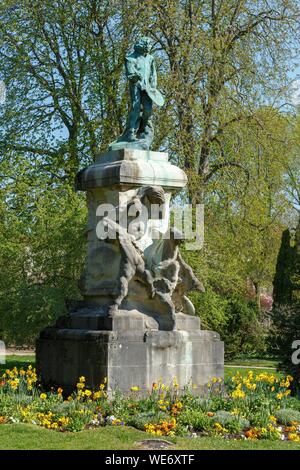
pixel 135 323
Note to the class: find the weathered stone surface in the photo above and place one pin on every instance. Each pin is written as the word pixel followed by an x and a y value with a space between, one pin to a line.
pixel 129 272
pixel 135 324
pixel 131 167
pixel 129 358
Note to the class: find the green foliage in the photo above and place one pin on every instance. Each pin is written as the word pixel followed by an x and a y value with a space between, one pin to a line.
pixel 63 66
pixel 285 330
pixel 286 312
pixel 162 412
pixel 260 418
pixel 140 420
pixel 236 319
pixel 41 254
pixel 197 420
pixel 244 334
pixel 211 308
pixel 286 416
pixel 234 423
pixel 282 293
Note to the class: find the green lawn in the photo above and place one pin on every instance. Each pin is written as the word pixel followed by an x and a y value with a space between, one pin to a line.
pixel 24 361
pixel 256 362
pixel 229 371
pixel 18 361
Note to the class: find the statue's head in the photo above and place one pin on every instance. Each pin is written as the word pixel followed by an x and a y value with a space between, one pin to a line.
pixel 143 45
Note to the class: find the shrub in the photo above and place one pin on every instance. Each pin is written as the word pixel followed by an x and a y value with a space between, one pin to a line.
pixel 287 415
pixel 140 420
pixel 260 419
pixel 236 319
pixel 234 423
pixel 198 420
pixel 285 330
pixel 243 333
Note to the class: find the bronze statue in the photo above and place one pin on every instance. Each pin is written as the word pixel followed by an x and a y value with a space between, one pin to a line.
pixel 142 78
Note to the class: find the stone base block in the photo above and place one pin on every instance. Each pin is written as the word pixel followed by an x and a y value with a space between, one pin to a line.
pixel 128 358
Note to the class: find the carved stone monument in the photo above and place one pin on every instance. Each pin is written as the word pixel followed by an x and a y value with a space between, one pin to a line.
pixel 135 323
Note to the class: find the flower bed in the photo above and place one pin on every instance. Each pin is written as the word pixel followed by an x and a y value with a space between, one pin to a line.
pixel 255 406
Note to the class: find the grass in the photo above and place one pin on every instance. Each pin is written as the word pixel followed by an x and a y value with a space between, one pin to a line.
pixel 16 361
pixel 31 437
pixel 254 362
pixel 24 361
pixel 229 371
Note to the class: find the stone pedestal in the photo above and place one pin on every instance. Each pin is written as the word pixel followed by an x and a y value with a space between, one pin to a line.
pixel 135 325
pixel 129 358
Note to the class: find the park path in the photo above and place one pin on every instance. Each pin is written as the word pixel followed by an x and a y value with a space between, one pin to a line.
pixel 249 367
pixel 20 352
pixel 31 352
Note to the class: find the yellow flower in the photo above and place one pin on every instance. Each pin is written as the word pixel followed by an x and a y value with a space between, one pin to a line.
pixel 135 389
pixel 238 393
pixel 59 391
pixel 80 385
pixel 88 393
pixel 175 383
pixel 251 386
pixel 279 396
pixel 218 427
pixel 82 379
pixel 14 383
pixel 250 375
pixel 293 437
pixel 43 396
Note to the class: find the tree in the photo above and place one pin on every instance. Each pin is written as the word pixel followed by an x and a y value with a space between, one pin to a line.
pixel 285 330
pixel 223 66
pixel 41 256
pixel 282 293
pixel 223 59
pixel 63 63
pixel 286 313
